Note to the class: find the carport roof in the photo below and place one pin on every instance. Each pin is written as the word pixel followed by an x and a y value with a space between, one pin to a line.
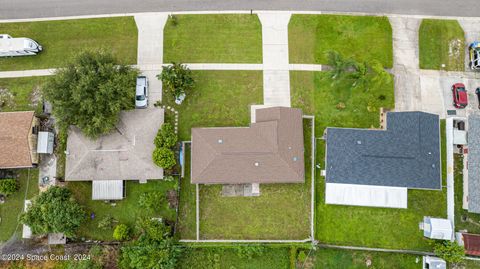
pixel 124 154
pixel 473 136
pixel 406 154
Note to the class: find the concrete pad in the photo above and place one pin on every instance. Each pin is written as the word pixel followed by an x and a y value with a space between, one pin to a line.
pixel 275 57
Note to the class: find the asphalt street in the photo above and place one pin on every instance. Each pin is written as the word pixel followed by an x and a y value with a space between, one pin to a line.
pixel 22 9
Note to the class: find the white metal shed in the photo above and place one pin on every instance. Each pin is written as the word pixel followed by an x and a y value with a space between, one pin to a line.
pixel 366 195
pixel 436 228
pixel 45 142
pixel 107 190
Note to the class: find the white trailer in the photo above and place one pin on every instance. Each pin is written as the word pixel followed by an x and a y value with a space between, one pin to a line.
pixel 19 46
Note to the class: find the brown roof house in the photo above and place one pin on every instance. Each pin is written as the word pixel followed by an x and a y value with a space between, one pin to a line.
pixel 124 154
pixel 270 150
pixel 18 139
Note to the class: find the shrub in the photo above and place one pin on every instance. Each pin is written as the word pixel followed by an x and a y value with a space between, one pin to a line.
pixel 177 79
pixel 151 200
pixel 451 252
pixel 121 232
pixel 8 186
pixel 166 136
pixel 164 158
pixel 106 223
pixel 302 257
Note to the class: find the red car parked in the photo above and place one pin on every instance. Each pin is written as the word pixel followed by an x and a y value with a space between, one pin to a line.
pixel 460 97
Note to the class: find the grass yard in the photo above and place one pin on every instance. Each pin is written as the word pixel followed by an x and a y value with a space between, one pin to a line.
pixel 282 211
pixel 126 211
pixel 441 42
pixel 25 91
pixel 222 38
pixel 365 226
pixel 472 225
pixel 228 257
pixel 220 98
pixel 61 39
pixel 337 258
pixel 13 206
pixel 187 207
pixel 363 38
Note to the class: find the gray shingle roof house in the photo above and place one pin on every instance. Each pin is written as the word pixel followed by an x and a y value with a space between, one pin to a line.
pixel 474 163
pixel 124 154
pixel 406 154
pixel 270 150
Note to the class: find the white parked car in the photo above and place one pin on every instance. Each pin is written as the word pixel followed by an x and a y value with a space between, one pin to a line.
pixel 141 92
pixel 19 46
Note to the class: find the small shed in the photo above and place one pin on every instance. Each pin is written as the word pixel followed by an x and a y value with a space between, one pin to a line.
pixel 107 190
pixel 57 239
pixel 433 263
pixel 436 228
pixel 45 142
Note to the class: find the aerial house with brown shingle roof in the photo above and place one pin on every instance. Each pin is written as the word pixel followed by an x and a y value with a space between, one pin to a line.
pixel 270 150
pixel 18 140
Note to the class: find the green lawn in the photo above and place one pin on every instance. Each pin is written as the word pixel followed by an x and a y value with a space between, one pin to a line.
pixel 336 258
pixel 228 258
pixel 348 225
pixel 232 38
pixel 187 207
pixel 472 224
pixel 469 264
pixel 61 39
pixel 13 206
pixel 441 42
pixel 22 89
pixel 282 211
pixel 125 211
pixel 220 98
pixel 363 38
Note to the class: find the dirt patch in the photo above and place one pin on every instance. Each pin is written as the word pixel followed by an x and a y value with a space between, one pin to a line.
pixel 454 47
pixel 172 198
pixel 7 99
pixel 35 96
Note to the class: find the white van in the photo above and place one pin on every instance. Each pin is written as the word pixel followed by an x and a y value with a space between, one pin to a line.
pixel 19 46
pixel 141 92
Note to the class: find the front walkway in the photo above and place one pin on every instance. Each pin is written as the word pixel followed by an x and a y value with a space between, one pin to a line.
pixel 276 74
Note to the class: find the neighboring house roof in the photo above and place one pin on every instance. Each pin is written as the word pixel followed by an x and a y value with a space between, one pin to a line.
pixel 471 242
pixel 269 151
pixel 15 149
pixel 124 154
pixel 474 163
pixel 406 154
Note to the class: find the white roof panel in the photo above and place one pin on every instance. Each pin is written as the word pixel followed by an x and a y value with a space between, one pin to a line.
pixel 107 190
pixel 365 195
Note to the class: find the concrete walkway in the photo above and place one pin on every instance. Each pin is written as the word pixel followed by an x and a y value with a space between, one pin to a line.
pixel 276 77
pixel 150 50
pixel 27 73
pixel 406 63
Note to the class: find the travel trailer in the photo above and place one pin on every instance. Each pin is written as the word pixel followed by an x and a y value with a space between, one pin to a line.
pixel 19 46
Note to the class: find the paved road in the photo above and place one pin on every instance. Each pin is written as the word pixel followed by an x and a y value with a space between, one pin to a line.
pixel 19 9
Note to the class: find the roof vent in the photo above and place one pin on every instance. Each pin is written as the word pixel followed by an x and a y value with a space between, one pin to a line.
pixel 295 158
pixel 257 164
pixel 429 153
pixel 359 142
pixel 220 141
pixel 433 165
pixel 289 147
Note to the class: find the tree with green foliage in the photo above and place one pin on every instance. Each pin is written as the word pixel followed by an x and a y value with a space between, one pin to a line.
pixel 449 251
pixel 177 79
pixel 90 91
pixel 8 186
pixel 121 232
pixel 154 249
pixel 166 136
pixel 164 158
pixel 54 211
pixel 151 200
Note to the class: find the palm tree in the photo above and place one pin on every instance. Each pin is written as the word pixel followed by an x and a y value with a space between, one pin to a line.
pixel 338 63
pixel 360 75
